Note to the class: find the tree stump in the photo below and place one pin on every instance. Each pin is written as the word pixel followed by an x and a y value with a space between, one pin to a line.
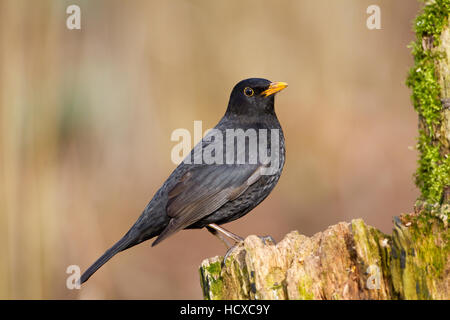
pixel 346 261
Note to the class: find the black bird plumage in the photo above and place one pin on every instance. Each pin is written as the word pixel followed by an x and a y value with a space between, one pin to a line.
pixel 197 195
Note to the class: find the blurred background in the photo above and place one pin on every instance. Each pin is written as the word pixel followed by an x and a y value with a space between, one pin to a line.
pixel 86 118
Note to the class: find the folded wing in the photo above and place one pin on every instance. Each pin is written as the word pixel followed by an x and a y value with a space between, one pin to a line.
pixel 203 190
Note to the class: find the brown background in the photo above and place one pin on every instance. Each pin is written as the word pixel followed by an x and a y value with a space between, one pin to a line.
pixel 86 118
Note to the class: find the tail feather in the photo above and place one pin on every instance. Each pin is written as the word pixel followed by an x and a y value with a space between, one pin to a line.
pixel 124 243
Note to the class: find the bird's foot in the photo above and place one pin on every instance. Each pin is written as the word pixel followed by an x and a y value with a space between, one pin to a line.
pixel 230 251
pixel 267 240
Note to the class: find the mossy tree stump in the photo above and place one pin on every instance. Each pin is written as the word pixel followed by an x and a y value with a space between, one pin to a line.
pixel 353 260
pixel 346 261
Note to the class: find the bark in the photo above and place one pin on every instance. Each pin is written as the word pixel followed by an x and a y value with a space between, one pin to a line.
pixel 353 260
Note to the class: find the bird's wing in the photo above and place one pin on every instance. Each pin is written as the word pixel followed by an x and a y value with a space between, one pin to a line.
pixel 203 190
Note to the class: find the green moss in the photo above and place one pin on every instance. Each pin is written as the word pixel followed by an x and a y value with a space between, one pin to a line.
pixel 240 277
pixel 373 248
pixel 432 250
pixel 216 287
pixel 433 173
pixel 214 268
pixel 419 254
pixel 213 285
pixel 368 241
pixel 305 289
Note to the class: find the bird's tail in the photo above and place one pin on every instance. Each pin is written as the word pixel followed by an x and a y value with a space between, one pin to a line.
pixel 127 241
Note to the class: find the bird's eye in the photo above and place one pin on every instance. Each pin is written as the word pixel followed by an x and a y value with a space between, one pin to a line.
pixel 248 92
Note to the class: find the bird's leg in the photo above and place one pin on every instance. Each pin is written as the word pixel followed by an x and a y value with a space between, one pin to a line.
pixel 213 227
pixel 218 231
pixel 219 235
pixel 229 234
pixel 268 240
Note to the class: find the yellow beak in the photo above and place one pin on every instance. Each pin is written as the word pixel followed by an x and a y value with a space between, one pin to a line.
pixel 274 87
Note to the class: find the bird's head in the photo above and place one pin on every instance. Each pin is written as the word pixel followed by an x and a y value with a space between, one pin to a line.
pixel 254 96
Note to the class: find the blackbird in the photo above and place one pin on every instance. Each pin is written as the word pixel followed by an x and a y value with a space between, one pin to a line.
pixel 205 195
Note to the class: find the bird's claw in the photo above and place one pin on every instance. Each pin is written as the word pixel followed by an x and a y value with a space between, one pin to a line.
pixel 229 251
pixel 267 240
